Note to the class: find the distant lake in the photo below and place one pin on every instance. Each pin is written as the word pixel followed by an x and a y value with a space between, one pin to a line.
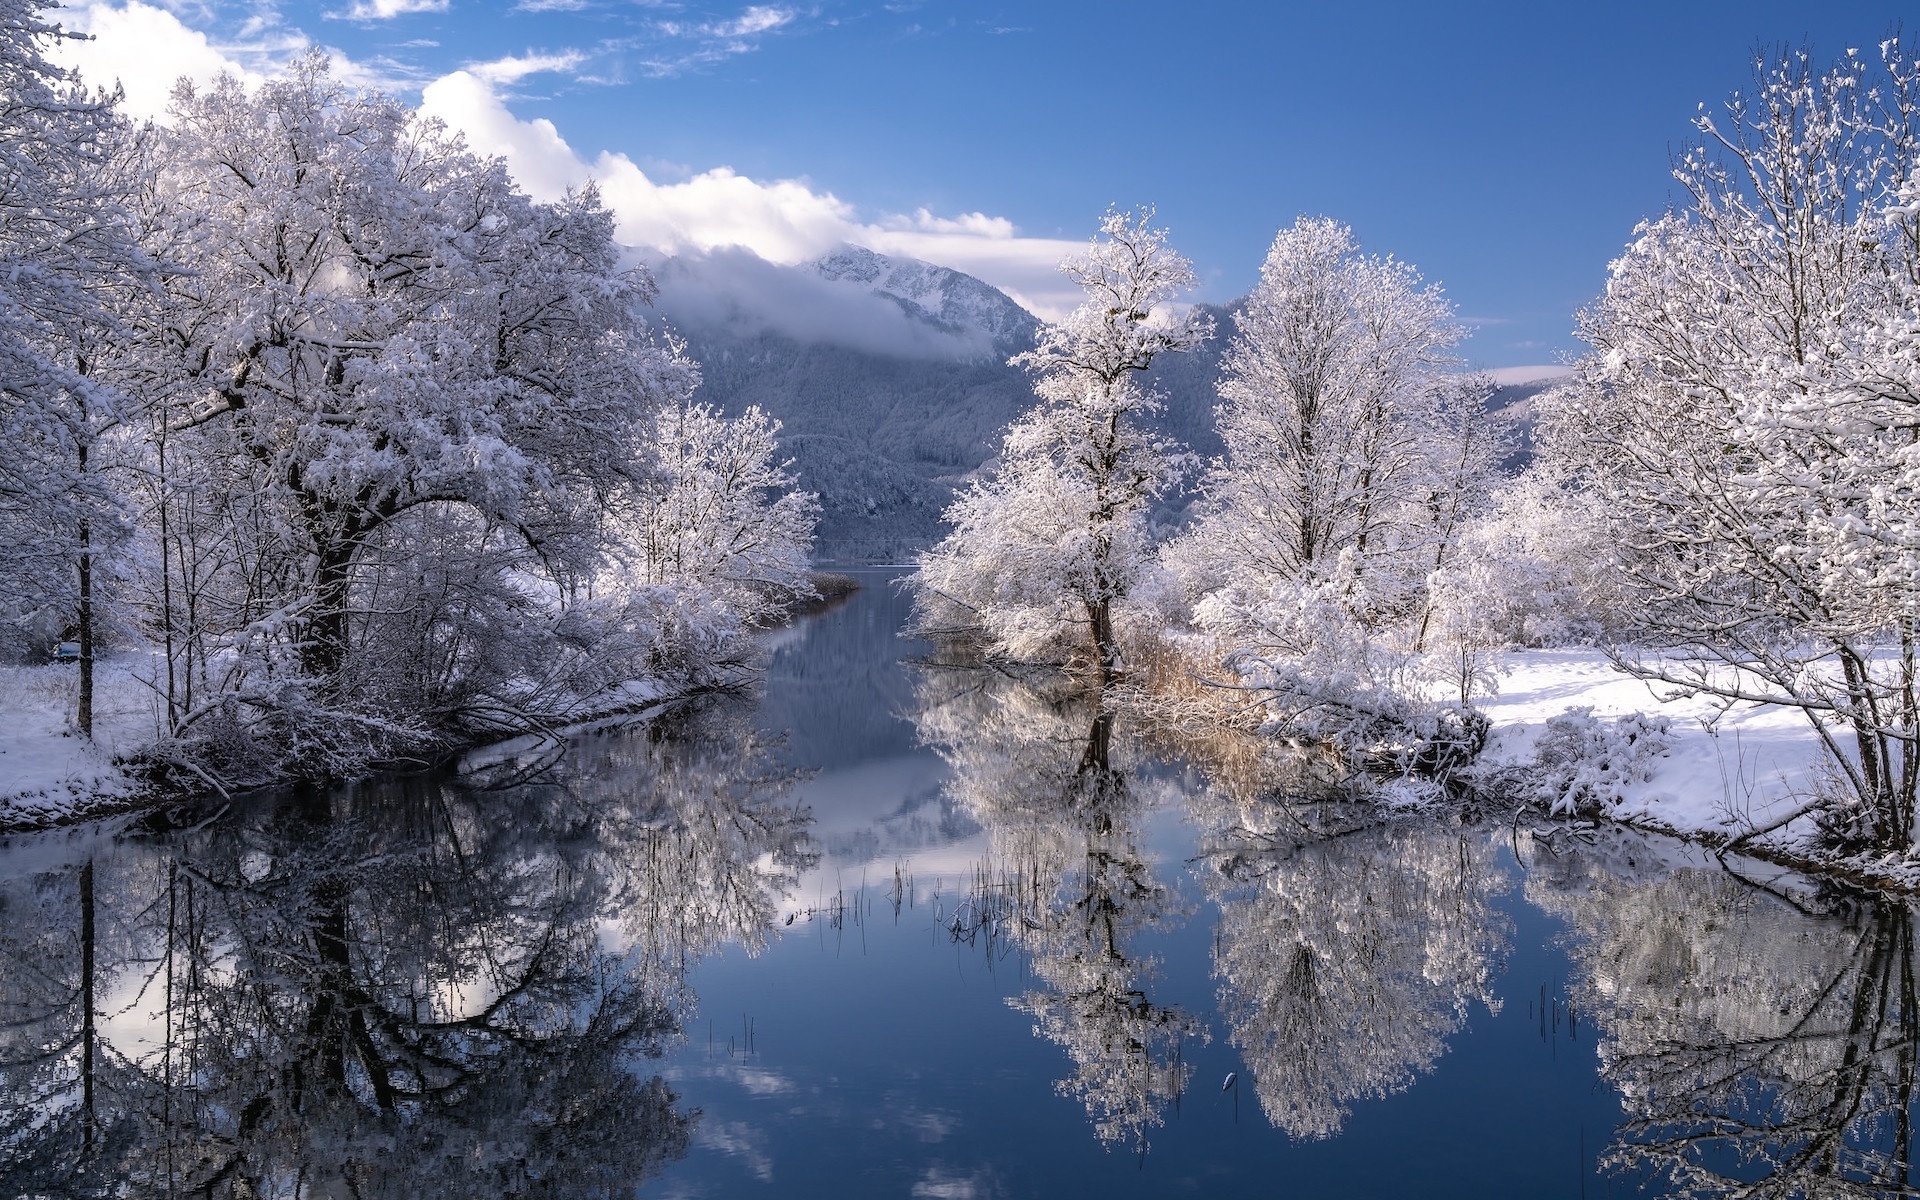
pixel 901 930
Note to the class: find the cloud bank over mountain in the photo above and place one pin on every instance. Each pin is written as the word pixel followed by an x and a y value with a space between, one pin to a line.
pixel 784 221
pixel 851 298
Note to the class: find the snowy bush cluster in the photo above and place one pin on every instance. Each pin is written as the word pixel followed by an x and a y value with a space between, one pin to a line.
pixel 1584 765
pixel 379 454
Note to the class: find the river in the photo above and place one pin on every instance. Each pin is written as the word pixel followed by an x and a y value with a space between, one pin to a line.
pixel 892 929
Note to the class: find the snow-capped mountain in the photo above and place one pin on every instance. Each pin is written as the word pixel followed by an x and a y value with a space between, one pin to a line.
pixel 889 377
pixel 938 296
pixel 852 298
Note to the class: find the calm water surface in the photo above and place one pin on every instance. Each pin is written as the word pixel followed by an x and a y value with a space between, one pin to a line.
pixel 907 931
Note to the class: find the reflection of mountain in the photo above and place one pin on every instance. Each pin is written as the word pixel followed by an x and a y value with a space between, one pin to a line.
pixel 1760 1047
pixel 828 675
pixel 836 696
pixel 1069 883
pixel 396 990
pixel 1346 962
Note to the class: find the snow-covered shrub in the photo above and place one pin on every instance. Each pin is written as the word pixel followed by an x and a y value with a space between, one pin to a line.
pixel 287 727
pixel 448 613
pixel 1534 570
pixel 28 631
pixel 680 634
pixel 1584 765
pixel 1408 794
pixel 1158 601
pixel 1303 642
pixel 1329 678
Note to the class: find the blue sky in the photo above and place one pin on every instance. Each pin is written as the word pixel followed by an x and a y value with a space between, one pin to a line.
pixel 1505 149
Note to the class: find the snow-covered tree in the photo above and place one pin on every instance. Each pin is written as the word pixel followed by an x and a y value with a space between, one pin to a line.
pixel 719 513
pixel 1353 443
pixel 68 261
pixel 377 328
pixel 1045 547
pixel 1746 418
pixel 1356 451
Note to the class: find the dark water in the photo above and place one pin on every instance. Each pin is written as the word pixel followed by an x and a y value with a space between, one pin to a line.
pixel 899 931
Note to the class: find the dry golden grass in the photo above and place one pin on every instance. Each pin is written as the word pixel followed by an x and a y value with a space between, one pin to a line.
pixel 1183 704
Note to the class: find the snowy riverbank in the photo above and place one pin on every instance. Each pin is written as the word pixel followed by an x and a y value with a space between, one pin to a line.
pixel 1726 770
pixel 49 774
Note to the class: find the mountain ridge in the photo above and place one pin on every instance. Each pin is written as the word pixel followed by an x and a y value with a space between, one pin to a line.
pixel 886 417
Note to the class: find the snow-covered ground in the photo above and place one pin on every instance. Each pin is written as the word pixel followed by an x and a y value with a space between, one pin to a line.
pixel 1727 770
pixel 48 772
pixel 50 775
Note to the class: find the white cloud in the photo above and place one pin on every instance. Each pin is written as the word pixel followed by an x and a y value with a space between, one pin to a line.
pixel 737 292
pixel 705 42
pixel 146 48
pixel 386 10
pixel 261 21
pixel 784 221
pixel 540 159
pixel 760 18
pixel 516 67
pixel 974 224
pixel 1515 376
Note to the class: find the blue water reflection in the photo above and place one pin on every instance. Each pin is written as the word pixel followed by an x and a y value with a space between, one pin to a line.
pixel 900 929
pixel 1043 991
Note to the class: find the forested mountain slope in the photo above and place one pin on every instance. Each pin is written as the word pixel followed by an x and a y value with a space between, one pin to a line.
pixel 890 379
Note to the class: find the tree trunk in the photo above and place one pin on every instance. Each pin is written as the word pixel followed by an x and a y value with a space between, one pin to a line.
pixel 323 653
pixel 1106 650
pixel 1876 751
pixel 83 714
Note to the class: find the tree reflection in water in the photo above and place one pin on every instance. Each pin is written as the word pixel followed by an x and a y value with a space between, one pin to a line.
pixel 405 990
pixel 433 990
pixel 1762 1042
pixel 1349 949
pixel 1068 883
